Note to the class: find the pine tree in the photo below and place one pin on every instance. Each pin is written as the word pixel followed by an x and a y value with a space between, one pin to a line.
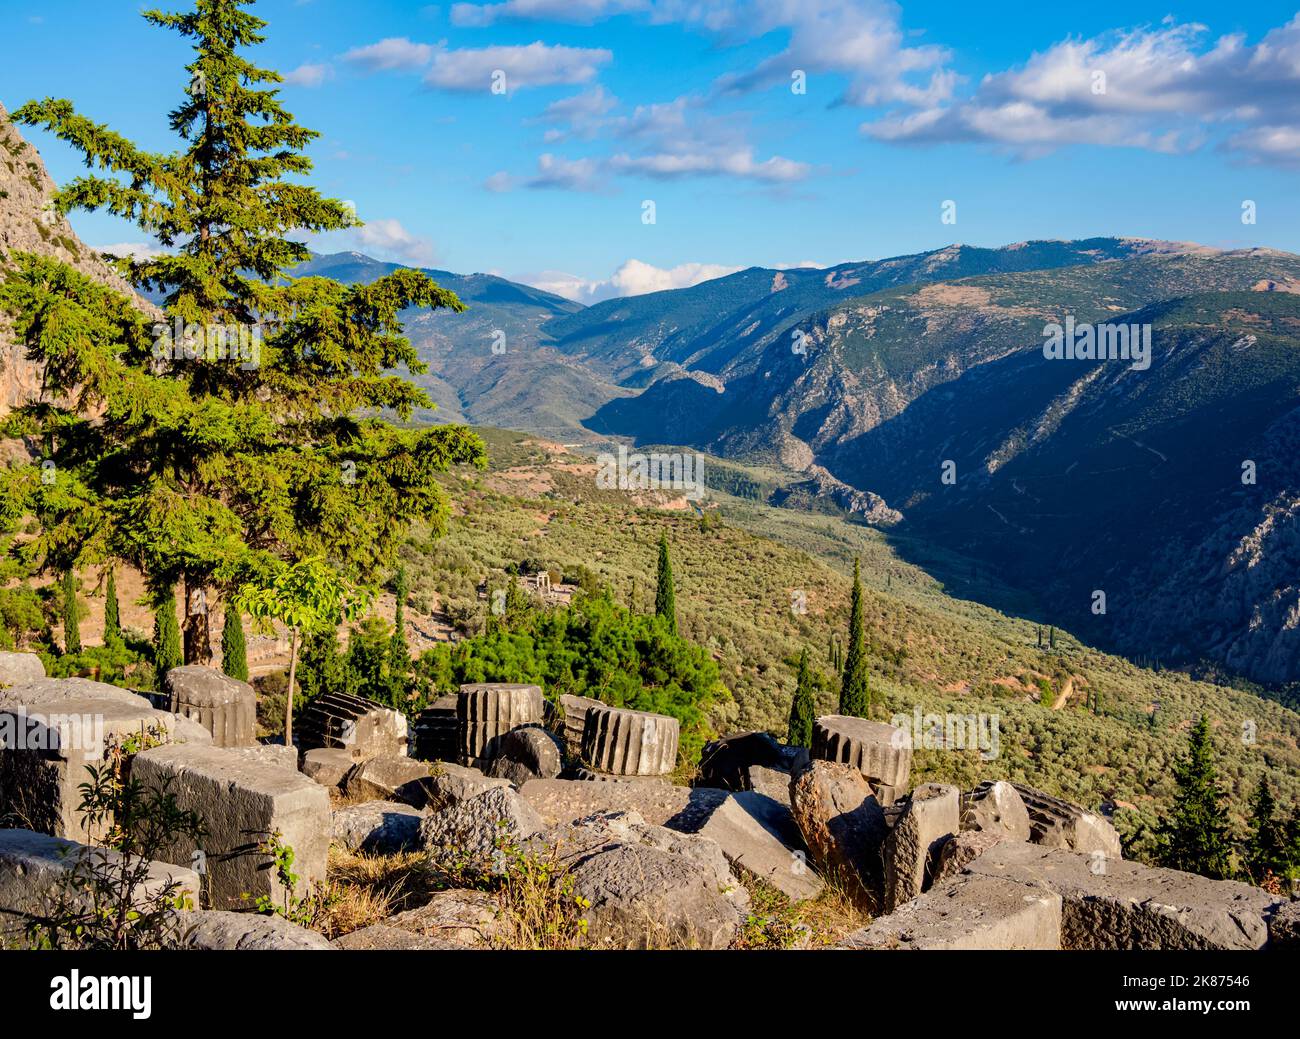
pixel 1266 843
pixel 1194 835
pixel 242 431
pixel 665 596
pixel 234 647
pixel 855 691
pixel 71 622
pixel 803 708
pixel 112 614
pixel 166 638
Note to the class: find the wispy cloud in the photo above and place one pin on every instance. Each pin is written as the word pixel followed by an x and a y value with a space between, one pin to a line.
pixel 309 75
pixel 632 278
pixel 466 69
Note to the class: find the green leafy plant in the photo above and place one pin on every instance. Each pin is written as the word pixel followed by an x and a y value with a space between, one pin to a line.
pixel 309 910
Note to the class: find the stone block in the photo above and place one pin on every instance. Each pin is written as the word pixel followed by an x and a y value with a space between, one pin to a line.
pixel 434 734
pixel 910 850
pixel 1055 823
pixel 221 930
pixel 378 827
pixel 487 711
pixel 387 938
pixel 528 752
pixel 629 743
pixel 35 867
pixel 19 668
pixel 971 913
pixel 389 777
pixel 963 848
pixel 328 765
pixel 470 832
pixel 362 727
pixel 573 721
pixel 996 807
pixel 241 803
pixel 843 826
pixel 882 753
pixel 1109 903
pixel 225 706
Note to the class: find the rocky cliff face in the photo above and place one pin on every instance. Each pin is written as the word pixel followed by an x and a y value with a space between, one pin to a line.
pixel 29 224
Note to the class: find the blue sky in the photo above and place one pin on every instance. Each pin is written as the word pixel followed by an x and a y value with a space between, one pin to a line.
pixel 609 103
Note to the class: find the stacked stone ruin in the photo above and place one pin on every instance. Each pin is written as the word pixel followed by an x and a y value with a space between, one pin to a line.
pixel 880 752
pixel 225 706
pixel 487 711
pixel 434 734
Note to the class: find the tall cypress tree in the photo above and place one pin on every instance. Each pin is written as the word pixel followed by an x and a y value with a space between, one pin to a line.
pixel 1194 835
pixel 234 647
pixel 71 622
pixel 803 709
pixel 665 596
pixel 216 443
pixel 399 650
pixel 1266 842
pixel 166 638
pixel 112 614
pixel 855 690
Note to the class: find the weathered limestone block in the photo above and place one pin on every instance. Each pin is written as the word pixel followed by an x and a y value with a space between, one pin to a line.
pixel 389 777
pixel 649 887
pixel 843 826
pixel 963 848
pixel 968 913
pixel 1108 903
pixel 219 929
pixel 487 711
pixel 50 739
pixel 471 831
pixel 629 743
pixel 388 938
pixel 1284 927
pixel 1055 823
pixel 586 775
pixel 449 784
pixel 328 765
pixel 35 867
pixel 362 727
pixel 19 668
pixel 48 691
pixel 378 827
pixel 241 803
pixel 911 848
pixel 770 782
pixel 276 754
pixel 759 835
pixel 529 752
pixel 434 734
pixel 880 752
pixel 563 800
pixel 225 706
pixel 468 918
pixel 996 807
pixel 573 722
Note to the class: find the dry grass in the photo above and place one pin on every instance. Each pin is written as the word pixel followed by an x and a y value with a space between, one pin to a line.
pixel 776 923
pixel 367 889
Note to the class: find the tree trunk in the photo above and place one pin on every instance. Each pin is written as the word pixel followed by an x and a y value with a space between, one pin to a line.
pixel 288 700
pixel 196 634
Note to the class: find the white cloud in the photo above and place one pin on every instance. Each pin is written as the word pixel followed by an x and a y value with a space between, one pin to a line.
pixel 740 163
pixel 393 54
pixel 387 238
pixel 1163 89
pixel 534 65
pixel 135 250
pixel 582 12
pixel 309 75
pixel 633 278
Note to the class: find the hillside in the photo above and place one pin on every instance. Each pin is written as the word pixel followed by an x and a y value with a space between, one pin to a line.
pixel 929 645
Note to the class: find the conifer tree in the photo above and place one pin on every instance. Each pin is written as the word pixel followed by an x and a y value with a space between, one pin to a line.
pixel 1266 842
pixel 112 612
pixel 234 647
pixel 237 434
pixel 71 622
pixel 166 637
pixel 803 709
pixel 855 690
pixel 1194 835
pixel 665 596
pixel 399 650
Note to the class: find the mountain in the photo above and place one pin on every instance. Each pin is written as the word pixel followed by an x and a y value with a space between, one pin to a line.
pixel 492 363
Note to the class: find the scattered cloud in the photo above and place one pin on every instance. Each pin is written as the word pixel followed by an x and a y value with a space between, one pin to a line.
pixel 135 250
pixel 388 239
pixel 580 12
pixel 394 54
pixel 309 75
pixel 633 278
pixel 1165 89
